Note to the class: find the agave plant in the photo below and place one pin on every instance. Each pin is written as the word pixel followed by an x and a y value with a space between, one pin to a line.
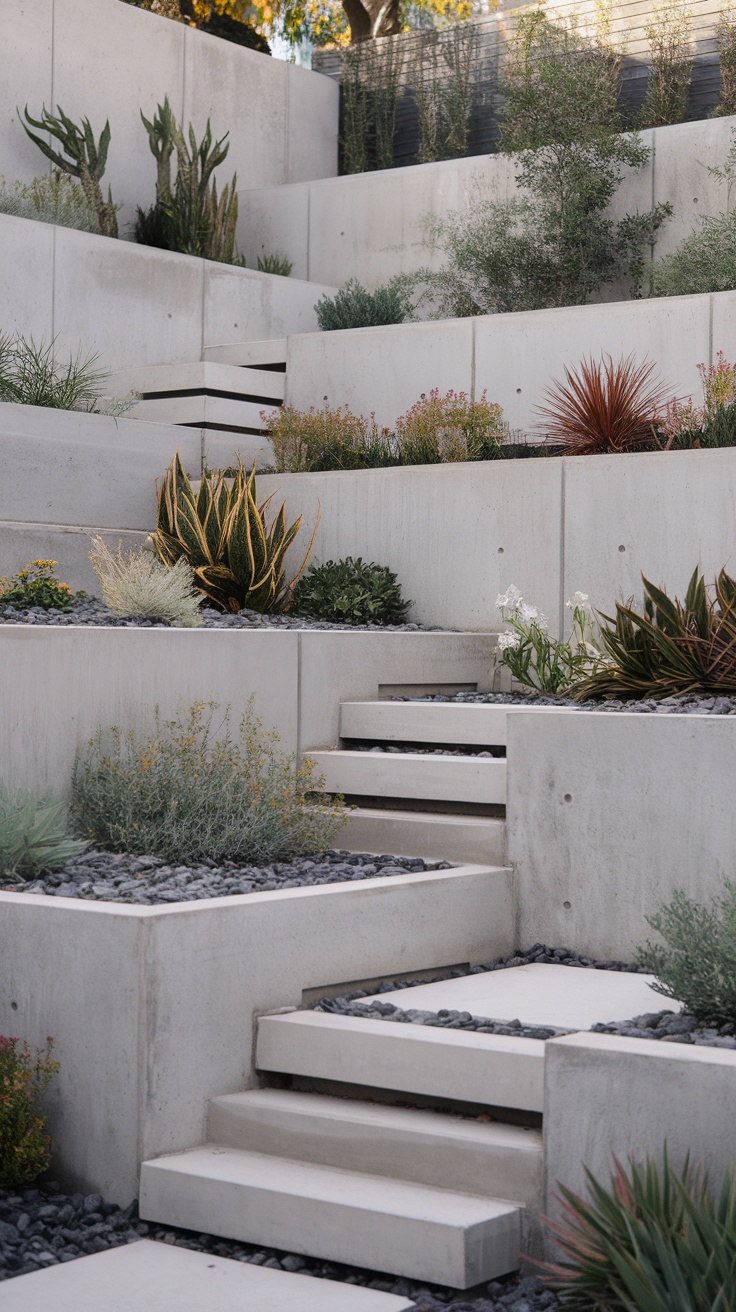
pixel 604 407
pixel 673 648
pixel 237 560
pixel 655 1241
pixel 34 835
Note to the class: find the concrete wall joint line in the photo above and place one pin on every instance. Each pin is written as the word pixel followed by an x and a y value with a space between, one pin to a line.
pixel 710 329
pixel 143 929
pixel 474 326
pixel 561 629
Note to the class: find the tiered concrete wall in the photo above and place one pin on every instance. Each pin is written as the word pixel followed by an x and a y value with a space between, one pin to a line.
pixel 369 225
pixel 103 59
pixel 134 305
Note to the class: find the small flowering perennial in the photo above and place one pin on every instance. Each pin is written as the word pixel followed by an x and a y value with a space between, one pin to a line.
pixel 25 1147
pixel 714 423
pixel 535 659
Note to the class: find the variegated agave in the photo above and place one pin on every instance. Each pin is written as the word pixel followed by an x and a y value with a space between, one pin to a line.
pixel 675 647
pixel 237 560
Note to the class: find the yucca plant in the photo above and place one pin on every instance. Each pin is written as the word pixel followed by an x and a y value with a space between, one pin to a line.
pixel 236 558
pixel 654 1241
pixel 674 648
pixel 86 158
pixel 34 835
pixel 604 407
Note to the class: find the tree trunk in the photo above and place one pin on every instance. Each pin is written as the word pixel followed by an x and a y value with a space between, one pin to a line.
pixel 371 18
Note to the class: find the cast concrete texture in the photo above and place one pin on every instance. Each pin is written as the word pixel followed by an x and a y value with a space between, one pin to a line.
pixel 147 1275
pixel 445 1152
pixel 478 725
pixel 346 1216
pixel 58 685
pixel 490 1069
pixel 129 1087
pixel 134 305
pixel 418 833
pixel 562 996
pixel 604 822
pixel 370 226
pixel 605 1094
pixel 282 119
pixel 457 535
pixel 410 774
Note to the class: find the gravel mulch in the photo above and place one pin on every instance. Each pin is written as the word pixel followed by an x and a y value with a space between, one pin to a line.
pixel 147 880
pixel 672 1027
pixel 41 1226
pixel 689 704
pixel 92 611
pixel 423 749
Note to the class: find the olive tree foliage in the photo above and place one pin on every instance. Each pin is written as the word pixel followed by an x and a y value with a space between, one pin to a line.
pixel 556 243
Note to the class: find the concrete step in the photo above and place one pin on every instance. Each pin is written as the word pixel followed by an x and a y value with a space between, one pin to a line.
pixel 425 722
pixel 251 355
pixel 488 1069
pixel 413 775
pixel 154 1277
pixel 472 1157
pixel 409 1229
pixel 202 411
pixel 474 839
pixel 263 385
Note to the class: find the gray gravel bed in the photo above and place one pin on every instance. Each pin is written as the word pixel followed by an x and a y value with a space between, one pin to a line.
pixel 672 1027
pixel 41 1226
pixel 423 749
pixel 688 704
pixel 147 880
pixel 92 611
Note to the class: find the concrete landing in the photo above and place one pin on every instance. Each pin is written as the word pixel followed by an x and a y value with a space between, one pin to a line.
pixel 152 1277
pixel 566 997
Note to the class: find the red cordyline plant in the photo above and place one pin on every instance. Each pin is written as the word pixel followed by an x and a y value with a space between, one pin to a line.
pixel 605 407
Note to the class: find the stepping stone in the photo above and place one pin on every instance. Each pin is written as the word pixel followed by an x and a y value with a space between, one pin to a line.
pixel 154 1277
pixel 565 997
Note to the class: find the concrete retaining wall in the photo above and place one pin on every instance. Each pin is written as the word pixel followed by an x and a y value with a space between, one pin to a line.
pixel 134 305
pixel 457 535
pixel 609 813
pixel 103 59
pixel 153 1009
pixel 369 225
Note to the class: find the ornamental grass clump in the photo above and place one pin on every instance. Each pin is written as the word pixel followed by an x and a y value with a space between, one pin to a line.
pixel 25 1146
pixel 604 407
pixel 194 789
pixel 36 585
pixel 34 835
pixel 236 557
pixel 441 429
pixel 350 592
pixel 136 583
pixel 317 440
pixel 675 647
pixel 537 661
pixel 695 964
pixel 53 198
pixel 652 1241
pixel 32 374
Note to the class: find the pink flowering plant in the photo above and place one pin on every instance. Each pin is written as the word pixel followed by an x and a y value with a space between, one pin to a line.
pixel 538 661
pixel 714 423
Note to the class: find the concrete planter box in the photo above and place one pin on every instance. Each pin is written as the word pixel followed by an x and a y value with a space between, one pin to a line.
pixel 153 1009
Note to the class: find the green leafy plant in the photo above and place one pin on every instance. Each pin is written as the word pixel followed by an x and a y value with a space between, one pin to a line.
pixel 696 962
pixel 350 592
pixel 668 34
pixel 25 1146
pixel 369 90
pixel 713 424
pixel 36 585
pixel 83 158
pixel 31 374
pixel 604 407
pixel 276 263
pixel 704 262
pixel 53 198
pixel 355 307
pixel 236 558
pixel 673 648
pixel 442 429
pixel 726 35
pixel 34 835
pixel 192 789
pixel 137 583
pixel 537 661
pixel 317 440
pixel 188 216
pixel 653 1241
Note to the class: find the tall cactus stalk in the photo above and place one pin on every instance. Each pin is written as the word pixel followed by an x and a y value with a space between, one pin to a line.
pixel 85 158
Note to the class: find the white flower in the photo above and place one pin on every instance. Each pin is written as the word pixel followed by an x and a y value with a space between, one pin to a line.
pixel 508 641
pixel 511 599
pixel 578 601
pixel 527 614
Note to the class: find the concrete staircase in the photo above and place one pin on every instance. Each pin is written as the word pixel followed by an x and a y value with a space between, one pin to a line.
pixel 224 395
pixel 417 804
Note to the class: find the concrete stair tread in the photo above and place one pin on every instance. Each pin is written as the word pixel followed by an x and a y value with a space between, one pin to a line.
pixel 407 1228
pixel 479 780
pixel 153 1277
pixel 201 375
pixel 201 410
pixel 488 1069
pixel 425 833
pixel 248 354
pixel 425 722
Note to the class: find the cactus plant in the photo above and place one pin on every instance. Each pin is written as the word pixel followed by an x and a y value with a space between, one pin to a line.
pixel 86 158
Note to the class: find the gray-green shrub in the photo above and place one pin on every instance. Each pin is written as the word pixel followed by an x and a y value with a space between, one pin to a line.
pixel 353 306
pixel 53 198
pixel 137 583
pixel 704 262
pixel 193 789
pixel 34 835
pixel 696 962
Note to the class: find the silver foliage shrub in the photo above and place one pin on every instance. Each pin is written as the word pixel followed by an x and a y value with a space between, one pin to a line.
pixel 52 198
pixel 137 583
